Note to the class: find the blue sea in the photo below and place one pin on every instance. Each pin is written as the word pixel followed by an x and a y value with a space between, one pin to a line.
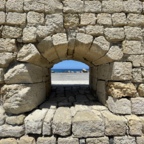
pixel 67 70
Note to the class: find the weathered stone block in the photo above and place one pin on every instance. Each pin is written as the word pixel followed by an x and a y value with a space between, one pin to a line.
pixel 2 115
pixel 137 75
pixel 11 131
pixel 2 18
pixel 14 18
pixel 124 140
pixel 119 19
pixel 94 30
pixel 35 18
pixel 114 125
pixel 114 34
pixel 141 90
pixel 101 140
pixel 14 6
pixel 118 89
pixel 92 6
pixel 46 140
pixel 119 106
pixel 140 140
pixel 26 140
pixel 104 19
pixel 11 32
pixel 8 141
pixel 87 19
pixel 19 96
pixel 2 4
pixel 87 124
pixel 34 122
pixel 68 140
pixel 62 122
pixel 137 105
pixel 29 35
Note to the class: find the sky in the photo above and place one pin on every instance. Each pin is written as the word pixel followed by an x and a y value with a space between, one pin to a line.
pixel 70 64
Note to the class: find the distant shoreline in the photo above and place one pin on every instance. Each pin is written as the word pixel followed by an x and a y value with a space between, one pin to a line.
pixel 69 70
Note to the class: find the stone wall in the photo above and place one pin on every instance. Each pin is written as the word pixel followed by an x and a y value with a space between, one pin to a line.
pixel 108 35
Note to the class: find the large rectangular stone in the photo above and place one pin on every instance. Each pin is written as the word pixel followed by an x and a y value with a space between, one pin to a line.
pixel 68 140
pixel 2 4
pixel 124 140
pixel 2 18
pixel 46 140
pixel 101 140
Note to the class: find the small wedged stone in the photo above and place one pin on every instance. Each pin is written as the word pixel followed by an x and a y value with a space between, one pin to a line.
pixel 87 124
pixel 46 140
pixel 8 141
pixel 62 122
pixel 26 140
pixel 11 131
pixel 1 75
pixel 2 115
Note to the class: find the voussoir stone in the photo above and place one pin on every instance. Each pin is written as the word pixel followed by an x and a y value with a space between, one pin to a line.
pixel 21 98
pixel 34 121
pixel 25 73
pixel 62 122
pixel 87 124
pixel 118 89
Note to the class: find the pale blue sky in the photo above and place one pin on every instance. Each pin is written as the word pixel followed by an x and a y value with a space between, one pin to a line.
pixel 70 64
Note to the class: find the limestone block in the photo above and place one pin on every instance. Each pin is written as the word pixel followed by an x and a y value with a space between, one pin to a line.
pixel 6 58
pixel 73 6
pixel 62 122
pixel 14 18
pixel 114 34
pixel 54 6
pixel 99 48
pixel 14 6
pixel 87 124
pixel 2 115
pixel 8 141
pixel 22 98
pixel 112 6
pixel 114 54
pixel 46 140
pixel 133 6
pixel 29 53
pixel 135 125
pixel 87 19
pixel 2 18
pixel 135 19
pixel 35 18
pixel 94 30
pixel 119 106
pixel 2 4
pixel 25 73
pixel 1 75
pixel 132 47
pixel 34 5
pixel 68 140
pixel 137 60
pixel 26 140
pixel 29 35
pixel 104 19
pixel 71 20
pixel 119 19
pixel 114 125
pixel 55 22
pixel 137 105
pixel 92 6
pixel 47 49
pixel 133 33
pixel 15 120
pixel 7 45
pixel 141 90
pixel 124 140
pixel 103 140
pixel 137 75
pixel 119 90
pixel 47 123
pixel 140 140
pixel 11 32
pixel 11 131
pixel 34 121
pixel 121 71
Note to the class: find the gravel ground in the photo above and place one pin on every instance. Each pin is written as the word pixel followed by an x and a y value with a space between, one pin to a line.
pixel 70 78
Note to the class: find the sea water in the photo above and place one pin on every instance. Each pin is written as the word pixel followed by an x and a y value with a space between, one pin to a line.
pixel 67 70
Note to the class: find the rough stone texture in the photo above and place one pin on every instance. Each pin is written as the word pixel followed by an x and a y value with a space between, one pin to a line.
pixel 1 75
pixel 2 5
pixel 101 140
pixel 141 90
pixel 87 124
pixel 119 106
pixel 124 140
pixel 140 140
pixel 62 122
pixel 114 125
pixel 30 93
pixel 46 140
pixel 69 140
pixel 25 73
pixel 34 121
pixel 8 141
pixel 3 17
pixel 2 116
pixel 137 105
pixel 26 140
pixel 118 90
pixel 137 75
